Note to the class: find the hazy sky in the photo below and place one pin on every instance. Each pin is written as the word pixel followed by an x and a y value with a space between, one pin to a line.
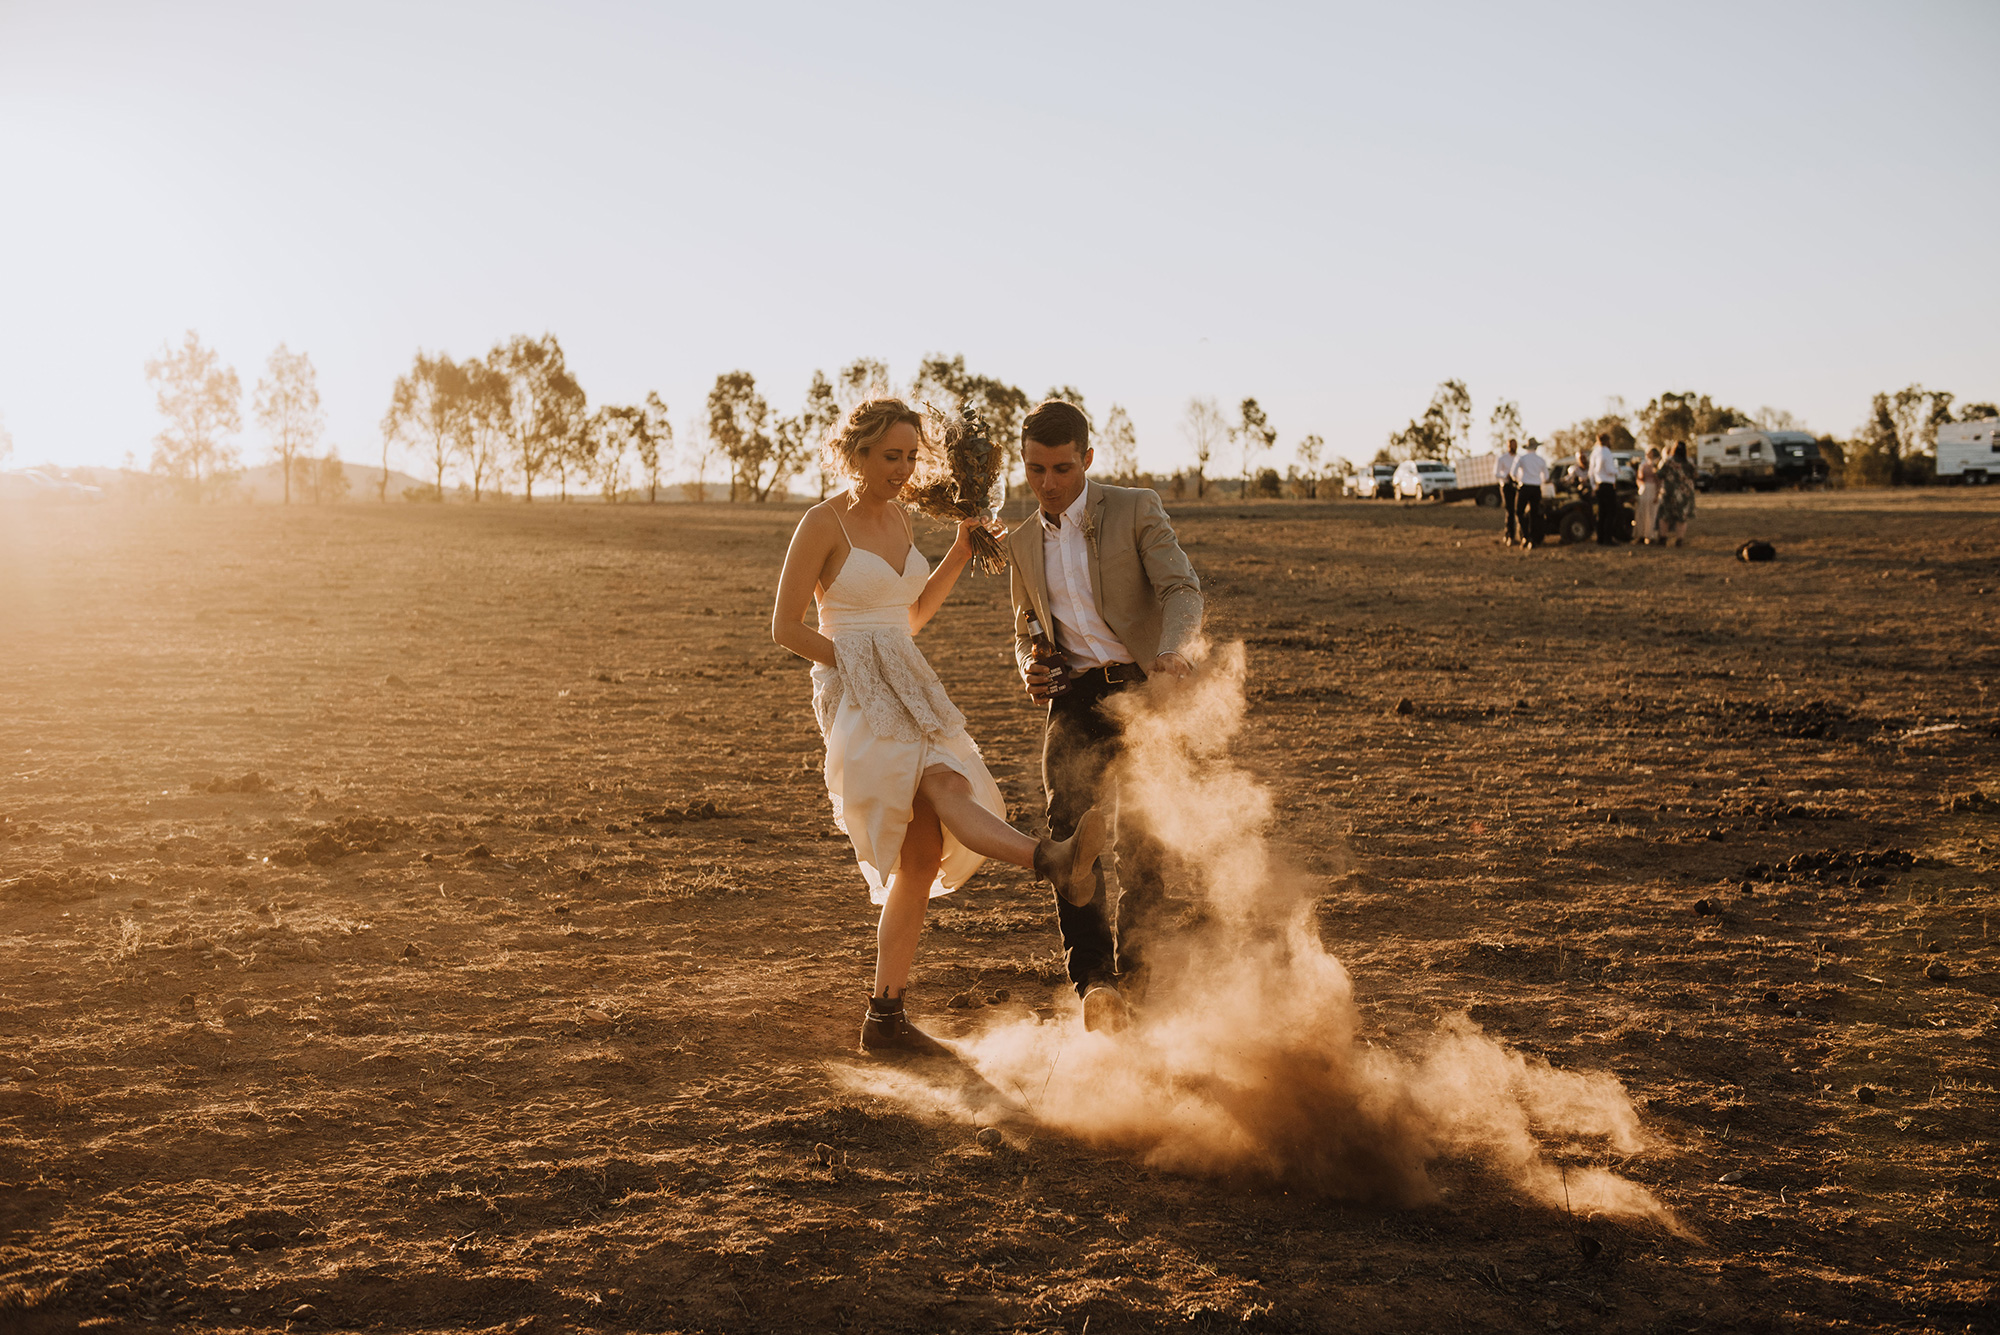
pixel 1328 207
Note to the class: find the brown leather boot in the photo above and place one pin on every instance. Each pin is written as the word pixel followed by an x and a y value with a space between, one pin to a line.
pixel 1105 1010
pixel 1070 865
pixel 887 1030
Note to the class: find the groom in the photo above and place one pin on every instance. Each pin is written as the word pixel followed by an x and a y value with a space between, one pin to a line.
pixel 1100 568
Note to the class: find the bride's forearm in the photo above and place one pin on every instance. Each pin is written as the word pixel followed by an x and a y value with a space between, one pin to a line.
pixel 938 587
pixel 806 642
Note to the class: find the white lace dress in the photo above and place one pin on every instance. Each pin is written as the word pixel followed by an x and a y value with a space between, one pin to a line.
pixel 887 719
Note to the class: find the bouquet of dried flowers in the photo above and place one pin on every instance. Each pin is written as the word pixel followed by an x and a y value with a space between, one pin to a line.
pixel 963 483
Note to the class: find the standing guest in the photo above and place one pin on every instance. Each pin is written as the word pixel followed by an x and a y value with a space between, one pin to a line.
pixel 1603 469
pixel 1531 473
pixel 1510 490
pixel 1099 571
pixel 1676 496
pixel 1649 496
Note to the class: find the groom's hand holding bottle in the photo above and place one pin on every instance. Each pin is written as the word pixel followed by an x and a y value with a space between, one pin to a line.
pixel 1047 673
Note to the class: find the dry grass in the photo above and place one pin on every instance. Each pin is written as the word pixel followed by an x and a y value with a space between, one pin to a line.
pixel 516 1050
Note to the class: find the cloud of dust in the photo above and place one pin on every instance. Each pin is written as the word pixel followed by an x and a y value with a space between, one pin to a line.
pixel 1245 1063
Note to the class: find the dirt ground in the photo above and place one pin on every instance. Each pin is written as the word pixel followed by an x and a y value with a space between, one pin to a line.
pixel 430 918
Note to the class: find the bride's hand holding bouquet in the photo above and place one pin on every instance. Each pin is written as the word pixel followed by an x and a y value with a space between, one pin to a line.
pixel 964 487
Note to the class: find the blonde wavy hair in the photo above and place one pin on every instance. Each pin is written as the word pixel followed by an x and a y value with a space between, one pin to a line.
pixel 866 423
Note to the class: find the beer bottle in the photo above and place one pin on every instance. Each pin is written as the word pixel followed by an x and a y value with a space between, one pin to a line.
pixel 1046 652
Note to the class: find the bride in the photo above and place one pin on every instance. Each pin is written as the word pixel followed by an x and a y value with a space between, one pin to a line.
pixel 907 782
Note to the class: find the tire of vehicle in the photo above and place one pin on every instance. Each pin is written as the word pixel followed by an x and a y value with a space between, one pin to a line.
pixel 1574 524
pixel 1489 500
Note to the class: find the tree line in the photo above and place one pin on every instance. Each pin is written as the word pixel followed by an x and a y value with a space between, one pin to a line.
pixel 518 414
pixel 201 402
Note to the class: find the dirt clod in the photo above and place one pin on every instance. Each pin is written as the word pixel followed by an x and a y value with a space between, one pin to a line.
pixel 1406 706
pixel 1864 1094
pixel 990 1138
pixel 1937 971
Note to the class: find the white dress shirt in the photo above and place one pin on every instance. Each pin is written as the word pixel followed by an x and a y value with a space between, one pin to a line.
pixel 1507 463
pixel 1079 631
pixel 1530 470
pixel 1603 468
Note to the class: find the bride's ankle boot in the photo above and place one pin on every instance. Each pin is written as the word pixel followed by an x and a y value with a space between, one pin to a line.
pixel 888 1030
pixel 1070 865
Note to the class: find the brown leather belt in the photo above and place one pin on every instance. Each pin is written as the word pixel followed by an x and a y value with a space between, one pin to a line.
pixel 1112 674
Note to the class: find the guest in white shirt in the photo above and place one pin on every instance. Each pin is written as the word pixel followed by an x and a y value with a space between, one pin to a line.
pixel 1510 489
pixel 1604 481
pixel 1531 474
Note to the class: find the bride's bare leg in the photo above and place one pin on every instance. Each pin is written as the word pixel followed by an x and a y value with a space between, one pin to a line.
pixel 902 920
pixel 948 794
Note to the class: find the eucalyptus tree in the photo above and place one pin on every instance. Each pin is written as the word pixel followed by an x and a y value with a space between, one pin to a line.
pixel 860 380
pixel 818 419
pixel 948 385
pixel 1121 444
pixel 287 407
pixel 1677 418
pixel 1204 427
pixel 1310 451
pixel 199 397
pixel 483 423
pixel 1254 434
pixel 424 406
pixel 545 405
pixel 653 442
pixel 1918 413
pixel 738 420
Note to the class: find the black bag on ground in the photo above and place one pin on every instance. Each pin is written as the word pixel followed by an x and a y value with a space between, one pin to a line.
pixel 1756 550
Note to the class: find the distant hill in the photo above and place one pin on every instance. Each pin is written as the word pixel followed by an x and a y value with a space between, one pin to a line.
pixel 264 484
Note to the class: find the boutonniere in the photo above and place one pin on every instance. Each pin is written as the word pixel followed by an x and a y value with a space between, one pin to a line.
pixel 1090 534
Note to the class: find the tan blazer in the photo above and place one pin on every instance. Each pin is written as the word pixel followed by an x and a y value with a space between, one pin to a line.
pixel 1140 578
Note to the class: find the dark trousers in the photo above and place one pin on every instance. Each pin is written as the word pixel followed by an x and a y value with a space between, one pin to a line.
pixel 1607 515
pixel 1530 502
pixel 1079 747
pixel 1510 501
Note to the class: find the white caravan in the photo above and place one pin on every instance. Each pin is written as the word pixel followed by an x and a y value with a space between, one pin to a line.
pixel 1969 451
pixel 1765 460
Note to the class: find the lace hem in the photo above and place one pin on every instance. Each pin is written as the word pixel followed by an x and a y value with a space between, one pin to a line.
pixel 890 682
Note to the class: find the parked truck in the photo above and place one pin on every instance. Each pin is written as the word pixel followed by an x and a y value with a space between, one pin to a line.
pixel 1478 479
pixel 1753 460
pixel 1969 452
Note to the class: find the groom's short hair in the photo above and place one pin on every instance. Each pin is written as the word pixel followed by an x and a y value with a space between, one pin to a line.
pixel 1055 424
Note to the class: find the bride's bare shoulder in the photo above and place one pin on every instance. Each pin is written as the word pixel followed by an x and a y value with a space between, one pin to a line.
pixel 822 520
